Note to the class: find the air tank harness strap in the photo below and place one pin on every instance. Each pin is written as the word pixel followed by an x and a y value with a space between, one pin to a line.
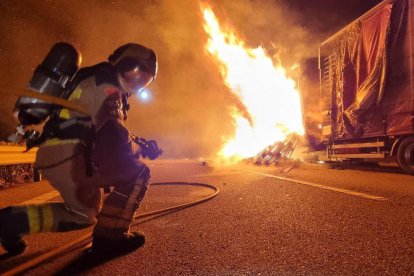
pixel 74 128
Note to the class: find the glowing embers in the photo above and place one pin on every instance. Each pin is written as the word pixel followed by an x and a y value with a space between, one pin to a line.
pixel 270 104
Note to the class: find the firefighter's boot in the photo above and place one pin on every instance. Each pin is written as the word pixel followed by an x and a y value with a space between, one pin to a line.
pixel 13 224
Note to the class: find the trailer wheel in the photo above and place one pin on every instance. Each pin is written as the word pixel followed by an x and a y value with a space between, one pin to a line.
pixel 405 155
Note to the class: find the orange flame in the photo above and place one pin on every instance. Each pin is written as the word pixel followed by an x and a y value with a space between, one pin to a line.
pixel 270 99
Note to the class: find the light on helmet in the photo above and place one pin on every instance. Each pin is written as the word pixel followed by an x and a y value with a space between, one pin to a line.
pixel 144 95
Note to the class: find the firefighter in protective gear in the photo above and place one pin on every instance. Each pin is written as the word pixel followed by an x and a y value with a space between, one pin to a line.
pixel 91 153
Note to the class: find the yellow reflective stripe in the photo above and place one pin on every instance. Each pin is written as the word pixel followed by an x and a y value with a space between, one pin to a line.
pixel 34 218
pixel 57 141
pixel 76 94
pixel 64 113
pixel 47 217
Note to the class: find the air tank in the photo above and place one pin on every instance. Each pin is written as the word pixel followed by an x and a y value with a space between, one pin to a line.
pixel 51 77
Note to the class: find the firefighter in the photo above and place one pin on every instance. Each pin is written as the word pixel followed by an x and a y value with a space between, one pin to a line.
pixel 82 154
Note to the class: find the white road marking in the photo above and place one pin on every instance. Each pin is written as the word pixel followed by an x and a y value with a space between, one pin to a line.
pixel 41 198
pixel 216 174
pixel 339 190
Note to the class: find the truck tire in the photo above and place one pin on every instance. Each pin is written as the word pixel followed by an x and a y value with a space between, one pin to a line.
pixel 405 155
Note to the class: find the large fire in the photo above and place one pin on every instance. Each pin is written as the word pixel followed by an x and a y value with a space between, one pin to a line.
pixel 271 102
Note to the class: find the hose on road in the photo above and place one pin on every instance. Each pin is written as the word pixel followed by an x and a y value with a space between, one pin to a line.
pixel 85 241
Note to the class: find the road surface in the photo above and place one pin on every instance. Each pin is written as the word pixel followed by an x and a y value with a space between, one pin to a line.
pixel 309 220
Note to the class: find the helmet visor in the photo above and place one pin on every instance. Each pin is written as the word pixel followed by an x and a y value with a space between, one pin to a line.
pixel 135 80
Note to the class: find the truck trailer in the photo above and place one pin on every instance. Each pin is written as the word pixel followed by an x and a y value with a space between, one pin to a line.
pixel 366 87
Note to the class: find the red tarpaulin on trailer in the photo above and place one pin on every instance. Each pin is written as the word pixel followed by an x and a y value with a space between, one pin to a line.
pixel 372 74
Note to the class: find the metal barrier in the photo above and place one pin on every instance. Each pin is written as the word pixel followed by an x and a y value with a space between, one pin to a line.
pixel 12 155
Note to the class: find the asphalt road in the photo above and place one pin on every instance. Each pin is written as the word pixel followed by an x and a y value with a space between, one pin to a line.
pixel 311 220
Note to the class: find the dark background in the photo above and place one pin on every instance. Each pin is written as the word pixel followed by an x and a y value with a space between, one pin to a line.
pixel 189 113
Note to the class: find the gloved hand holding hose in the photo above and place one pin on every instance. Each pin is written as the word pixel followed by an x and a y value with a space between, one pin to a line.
pixel 149 149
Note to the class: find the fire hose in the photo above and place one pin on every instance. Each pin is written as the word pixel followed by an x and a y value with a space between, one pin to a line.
pixel 85 241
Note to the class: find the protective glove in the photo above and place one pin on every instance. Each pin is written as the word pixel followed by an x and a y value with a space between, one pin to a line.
pixel 150 150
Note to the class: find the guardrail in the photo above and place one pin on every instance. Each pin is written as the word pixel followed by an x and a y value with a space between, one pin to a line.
pixel 12 155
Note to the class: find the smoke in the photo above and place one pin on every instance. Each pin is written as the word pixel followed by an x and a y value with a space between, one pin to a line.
pixel 272 25
pixel 189 111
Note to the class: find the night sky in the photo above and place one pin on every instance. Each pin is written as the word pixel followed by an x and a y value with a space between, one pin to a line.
pixel 187 114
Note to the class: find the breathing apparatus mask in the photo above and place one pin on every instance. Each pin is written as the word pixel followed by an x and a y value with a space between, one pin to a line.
pixel 134 79
pixel 136 67
pixel 52 77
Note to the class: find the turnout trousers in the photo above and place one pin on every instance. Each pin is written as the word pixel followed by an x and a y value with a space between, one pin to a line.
pixel 83 203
